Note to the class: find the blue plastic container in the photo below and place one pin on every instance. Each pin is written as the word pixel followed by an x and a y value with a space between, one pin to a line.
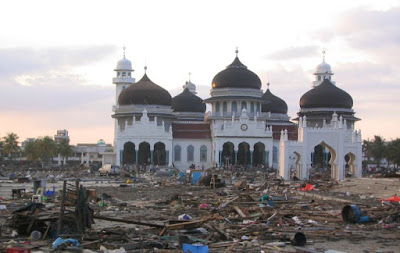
pixel 195 248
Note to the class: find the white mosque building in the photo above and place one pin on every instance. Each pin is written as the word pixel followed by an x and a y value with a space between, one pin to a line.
pixel 246 126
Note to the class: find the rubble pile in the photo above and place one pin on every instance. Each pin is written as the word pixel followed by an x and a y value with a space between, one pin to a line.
pixel 220 212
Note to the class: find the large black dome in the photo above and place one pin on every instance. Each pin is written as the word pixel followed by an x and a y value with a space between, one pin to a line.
pixel 236 75
pixel 188 102
pixel 326 95
pixel 145 92
pixel 273 103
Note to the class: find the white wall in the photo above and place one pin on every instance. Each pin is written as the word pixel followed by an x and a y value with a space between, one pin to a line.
pixel 184 143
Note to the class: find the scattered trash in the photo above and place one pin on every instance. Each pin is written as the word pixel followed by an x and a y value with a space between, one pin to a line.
pixel 254 212
pixel 195 248
pixel 36 235
pixel 60 243
pixel 184 217
pixel 308 187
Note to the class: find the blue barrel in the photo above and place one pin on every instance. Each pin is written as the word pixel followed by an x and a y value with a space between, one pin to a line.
pixel 351 213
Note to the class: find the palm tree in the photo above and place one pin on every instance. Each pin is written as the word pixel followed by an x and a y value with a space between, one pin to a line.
pixel 367 149
pixel 10 144
pixel 378 149
pixel 31 151
pixel 393 152
pixel 46 149
pixel 64 149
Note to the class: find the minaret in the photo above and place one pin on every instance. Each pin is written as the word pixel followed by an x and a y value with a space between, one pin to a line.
pixel 190 86
pixel 124 76
pixel 322 71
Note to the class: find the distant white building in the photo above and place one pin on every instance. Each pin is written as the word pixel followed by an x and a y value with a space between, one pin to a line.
pixel 61 135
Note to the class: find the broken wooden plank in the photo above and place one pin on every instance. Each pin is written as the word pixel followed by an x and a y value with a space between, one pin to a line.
pixel 128 221
pixel 239 211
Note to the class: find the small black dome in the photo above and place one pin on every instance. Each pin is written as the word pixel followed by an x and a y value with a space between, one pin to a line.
pixel 188 102
pixel 326 95
pixel 144 92
pixel 273 103
pixel 236 75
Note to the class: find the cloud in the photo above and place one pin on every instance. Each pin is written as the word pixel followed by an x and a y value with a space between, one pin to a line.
pixel 17 61
pixel 41 93
pixel 370 29
pixel 371 32
pixel 293 53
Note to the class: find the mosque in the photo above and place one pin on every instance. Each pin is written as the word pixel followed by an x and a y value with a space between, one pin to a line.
pixel 245 127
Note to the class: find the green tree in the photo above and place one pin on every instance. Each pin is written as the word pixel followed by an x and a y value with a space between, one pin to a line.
pixel 64 149
pixel 378 149
pixel 367 149
pixel 46 149
pixel 393 152
pixel 10 144
pixel 31 151
pixel 1 151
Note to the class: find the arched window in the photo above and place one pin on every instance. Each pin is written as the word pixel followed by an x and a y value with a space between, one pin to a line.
pixel 252 107
pixel 319 78
pixel 123 87
pixel 217 107
pixel 123 74
pixel 258 107
pixel 190 153
pixel 203 154
pixel 234 106
pixel 129 74
pixel 118 74
pixel 177 153
pixel 244 105
pixel 225 107
pixel 274 154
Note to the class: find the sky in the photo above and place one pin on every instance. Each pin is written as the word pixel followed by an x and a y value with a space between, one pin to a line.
pixel 57 58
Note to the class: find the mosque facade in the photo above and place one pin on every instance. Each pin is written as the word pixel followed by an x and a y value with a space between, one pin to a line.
pixel 245 127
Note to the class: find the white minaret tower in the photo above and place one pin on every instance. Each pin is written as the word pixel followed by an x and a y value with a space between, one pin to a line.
pixel 124 76
pixel 190 86
pixel 322 71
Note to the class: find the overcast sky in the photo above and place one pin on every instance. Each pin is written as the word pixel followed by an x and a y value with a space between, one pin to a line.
pixel 57 57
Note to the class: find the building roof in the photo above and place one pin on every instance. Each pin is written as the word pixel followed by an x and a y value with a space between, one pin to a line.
pixel 145 92
pixel 188 102
pixel 191 130
pixel 326 95
pixel 236 75
pixel 273 103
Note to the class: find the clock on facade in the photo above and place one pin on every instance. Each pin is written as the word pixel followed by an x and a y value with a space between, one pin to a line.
pixel 243 127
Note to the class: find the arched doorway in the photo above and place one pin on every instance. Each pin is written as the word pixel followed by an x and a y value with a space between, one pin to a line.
pixel 295 165
pixel 323 160
pixel 259 154
pixel 144 153
pixel 160 155
pixel 244 154
pixel 129 156
pixel 320 157
pixel 350 168
pixel 228 154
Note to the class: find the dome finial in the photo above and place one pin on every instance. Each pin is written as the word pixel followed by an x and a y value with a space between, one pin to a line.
pixel 190 76
pixel 323 55
pixel 268 85
pixel 145 68
pixel 237 51
pixel 124 50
